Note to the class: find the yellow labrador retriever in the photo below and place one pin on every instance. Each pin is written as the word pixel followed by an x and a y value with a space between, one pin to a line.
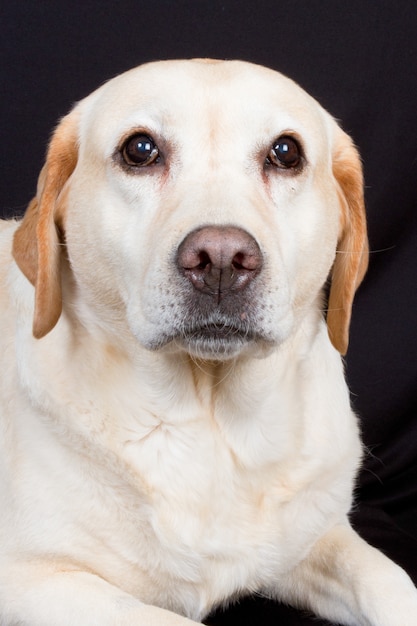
pixel 175 425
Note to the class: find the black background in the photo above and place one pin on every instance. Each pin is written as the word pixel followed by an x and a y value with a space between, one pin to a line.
pixel 359 59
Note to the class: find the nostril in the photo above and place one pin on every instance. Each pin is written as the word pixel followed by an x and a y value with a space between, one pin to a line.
pixel 237 262
pixel 249 260
pixel 204 260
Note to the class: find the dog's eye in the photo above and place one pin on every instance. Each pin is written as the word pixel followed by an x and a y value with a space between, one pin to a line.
pixel 285 153
pixel 140 150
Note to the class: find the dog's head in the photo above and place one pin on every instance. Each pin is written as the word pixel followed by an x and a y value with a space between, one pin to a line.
pixel 198 205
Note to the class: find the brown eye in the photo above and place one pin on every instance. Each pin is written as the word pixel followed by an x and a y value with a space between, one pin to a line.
pixel 140 150
pixel 285 153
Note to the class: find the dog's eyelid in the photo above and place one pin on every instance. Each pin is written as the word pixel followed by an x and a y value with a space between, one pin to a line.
pixel 286 153
pixel 139 150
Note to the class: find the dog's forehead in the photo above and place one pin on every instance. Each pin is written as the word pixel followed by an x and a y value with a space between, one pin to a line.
pixel 223 78
pixel 186 92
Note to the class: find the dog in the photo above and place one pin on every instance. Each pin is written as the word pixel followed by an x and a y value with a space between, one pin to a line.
pixel 176 429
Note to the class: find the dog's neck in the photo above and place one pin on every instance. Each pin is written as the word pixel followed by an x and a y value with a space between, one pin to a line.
pixel 125 399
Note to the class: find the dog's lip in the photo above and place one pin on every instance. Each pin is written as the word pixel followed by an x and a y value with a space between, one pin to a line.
pixel 220 331
pixel 213 340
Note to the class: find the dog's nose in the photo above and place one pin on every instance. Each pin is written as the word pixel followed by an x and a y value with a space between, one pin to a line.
pixel 219 260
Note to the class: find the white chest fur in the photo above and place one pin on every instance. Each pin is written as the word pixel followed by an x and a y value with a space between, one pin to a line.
pixel 198 488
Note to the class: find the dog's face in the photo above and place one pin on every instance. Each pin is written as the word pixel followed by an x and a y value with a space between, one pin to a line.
pixel 201 205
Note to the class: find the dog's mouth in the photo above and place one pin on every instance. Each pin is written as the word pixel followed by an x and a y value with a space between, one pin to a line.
pixel 216 340
pixel 217 332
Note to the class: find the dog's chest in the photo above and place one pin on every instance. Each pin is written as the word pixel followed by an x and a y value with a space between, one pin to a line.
pixel 186 510
pixel 210 525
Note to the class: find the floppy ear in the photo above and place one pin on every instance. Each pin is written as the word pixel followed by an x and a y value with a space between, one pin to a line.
pixel 37 241
pixel 352 249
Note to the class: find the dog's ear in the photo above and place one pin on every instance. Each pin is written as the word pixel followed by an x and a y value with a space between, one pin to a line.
pixel 352 249
pixel 38 239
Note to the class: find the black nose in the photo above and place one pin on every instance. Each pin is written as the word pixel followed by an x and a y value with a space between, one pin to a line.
pixel 219 260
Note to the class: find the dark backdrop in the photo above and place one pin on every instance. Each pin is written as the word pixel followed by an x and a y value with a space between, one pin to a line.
pixel 360 60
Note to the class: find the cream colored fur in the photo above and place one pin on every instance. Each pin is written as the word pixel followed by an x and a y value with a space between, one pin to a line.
pixel 145 477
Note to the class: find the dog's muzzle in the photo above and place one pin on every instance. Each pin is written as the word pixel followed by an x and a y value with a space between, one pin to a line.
pixel 218 265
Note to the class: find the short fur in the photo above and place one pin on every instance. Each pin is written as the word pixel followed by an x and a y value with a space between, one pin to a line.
pixel 164 450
